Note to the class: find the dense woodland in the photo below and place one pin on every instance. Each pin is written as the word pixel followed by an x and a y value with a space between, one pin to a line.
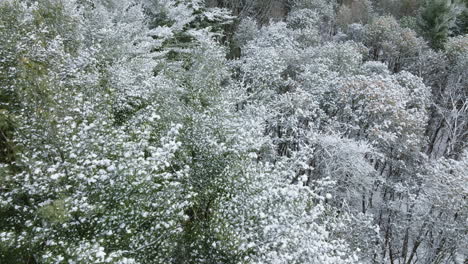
pixel 233 131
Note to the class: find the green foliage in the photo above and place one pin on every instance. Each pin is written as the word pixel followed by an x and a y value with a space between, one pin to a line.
pixel 55 212
pixel 462 19
pixel 410 22
pixel 30 48
pixel 437 19
pixel 7 147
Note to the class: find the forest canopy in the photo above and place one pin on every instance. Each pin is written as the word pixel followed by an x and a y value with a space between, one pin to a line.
pixel 233 131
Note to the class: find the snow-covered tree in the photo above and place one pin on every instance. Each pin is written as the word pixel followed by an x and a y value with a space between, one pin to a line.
pixel 141 131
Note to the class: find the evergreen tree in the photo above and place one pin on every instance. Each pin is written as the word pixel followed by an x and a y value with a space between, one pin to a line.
pixel 437 19
pixel 462 19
